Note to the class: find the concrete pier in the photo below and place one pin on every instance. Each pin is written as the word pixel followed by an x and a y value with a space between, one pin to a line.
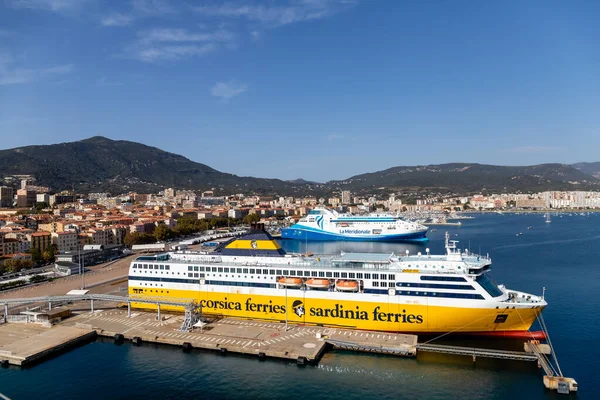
pixel 263 339
pixel 22 344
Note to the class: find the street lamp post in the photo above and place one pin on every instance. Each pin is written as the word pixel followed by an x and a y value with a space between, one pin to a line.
pixel 81 267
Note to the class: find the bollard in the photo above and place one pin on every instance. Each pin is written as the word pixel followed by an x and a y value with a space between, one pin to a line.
pixel 129 309
pixel 119 338
pixel 302 361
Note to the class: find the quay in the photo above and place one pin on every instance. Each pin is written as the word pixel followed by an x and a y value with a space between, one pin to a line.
pixel 22 344
pixel 25 343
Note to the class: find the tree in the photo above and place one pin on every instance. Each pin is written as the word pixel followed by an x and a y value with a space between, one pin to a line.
pixel 132 238
pixel 15 264
pixel 37 278
pixel 163 232
pixel 251 219
pixel 49 253
pixel 40 206
pixel 36 255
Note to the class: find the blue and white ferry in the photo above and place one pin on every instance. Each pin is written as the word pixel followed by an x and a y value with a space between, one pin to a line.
pixel 323 224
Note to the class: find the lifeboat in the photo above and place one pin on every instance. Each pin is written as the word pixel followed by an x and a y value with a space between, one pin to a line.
pixel 290 282
pixel 347 286
pixel 317 283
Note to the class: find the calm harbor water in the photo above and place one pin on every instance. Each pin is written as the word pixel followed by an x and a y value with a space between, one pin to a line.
pixel 562 256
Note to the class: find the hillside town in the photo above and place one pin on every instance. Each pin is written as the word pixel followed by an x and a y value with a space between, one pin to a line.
pixel 38 226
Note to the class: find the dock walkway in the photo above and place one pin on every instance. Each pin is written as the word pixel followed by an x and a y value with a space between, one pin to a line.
pixel 22 344
pixel 265 339
pixel 478 352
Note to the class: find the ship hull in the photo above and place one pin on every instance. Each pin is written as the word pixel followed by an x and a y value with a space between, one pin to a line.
pixel 356 311
pixel 323 236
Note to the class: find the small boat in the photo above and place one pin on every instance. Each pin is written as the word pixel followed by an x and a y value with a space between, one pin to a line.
pixel 548 220
pixel 313 283
pixel 290 282
pixel 347 286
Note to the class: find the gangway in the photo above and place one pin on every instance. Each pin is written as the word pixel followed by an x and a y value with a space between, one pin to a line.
pixel 477 352
pixel 403 350
pixel 158 301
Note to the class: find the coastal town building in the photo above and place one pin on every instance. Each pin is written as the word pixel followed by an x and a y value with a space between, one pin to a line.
pixel 6 196
pixel 40 240
pixel 65 240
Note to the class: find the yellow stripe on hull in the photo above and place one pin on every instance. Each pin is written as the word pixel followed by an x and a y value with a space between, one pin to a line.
pixel 390 317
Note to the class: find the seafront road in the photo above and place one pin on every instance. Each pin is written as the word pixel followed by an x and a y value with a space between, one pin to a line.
pixel 94 276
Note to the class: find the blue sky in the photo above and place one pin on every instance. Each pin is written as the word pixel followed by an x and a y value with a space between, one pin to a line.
pixel 318 89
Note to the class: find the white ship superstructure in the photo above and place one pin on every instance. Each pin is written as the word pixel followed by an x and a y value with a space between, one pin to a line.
pixel 324 224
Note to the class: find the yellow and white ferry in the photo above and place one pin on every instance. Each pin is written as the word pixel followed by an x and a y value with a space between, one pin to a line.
pixel 253 277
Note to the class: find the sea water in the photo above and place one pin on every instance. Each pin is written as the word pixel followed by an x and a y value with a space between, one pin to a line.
pixel 562 256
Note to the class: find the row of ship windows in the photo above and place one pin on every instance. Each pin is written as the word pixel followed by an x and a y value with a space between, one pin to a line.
pixel 435 285
pixel 368 291
pixel 320 274
pixel 428 294
pixel 201 275
pixel 150 266
pixel 294 273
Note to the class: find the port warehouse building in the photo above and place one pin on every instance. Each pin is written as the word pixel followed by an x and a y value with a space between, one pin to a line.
pixel 68 262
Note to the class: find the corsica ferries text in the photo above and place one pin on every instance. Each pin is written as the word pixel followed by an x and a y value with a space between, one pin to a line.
pixel 338 311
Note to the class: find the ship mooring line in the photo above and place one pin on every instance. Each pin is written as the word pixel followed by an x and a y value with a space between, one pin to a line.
pixel 460 327
pixel 543 323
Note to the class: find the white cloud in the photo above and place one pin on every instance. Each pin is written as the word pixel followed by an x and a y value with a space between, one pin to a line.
pixel 182 35
pixel 117 19
pixel 173 44
pixel 277 15
pixel 48 5
pixel 10 74
pixel 228 90
pixel 170 53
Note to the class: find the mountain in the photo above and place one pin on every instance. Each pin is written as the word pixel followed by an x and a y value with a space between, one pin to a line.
pixel 101 164
pixel 303 181
pixel 471 178
pixel 590 168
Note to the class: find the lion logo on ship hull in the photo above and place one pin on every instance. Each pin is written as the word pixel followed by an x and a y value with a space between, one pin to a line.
pixel 298 308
